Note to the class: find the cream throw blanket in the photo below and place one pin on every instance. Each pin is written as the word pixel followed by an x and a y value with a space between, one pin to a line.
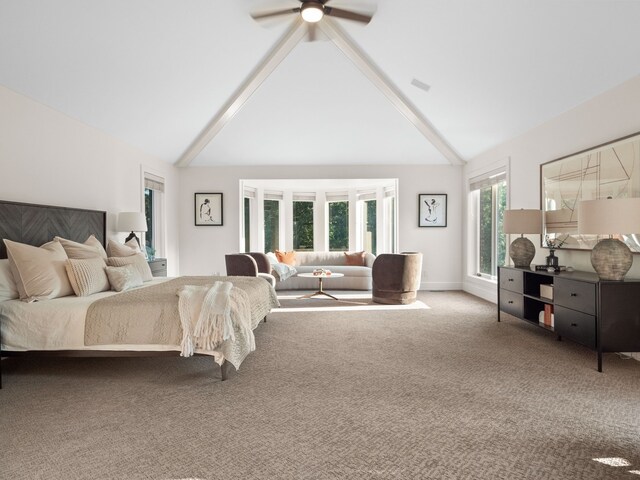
pixel 205 316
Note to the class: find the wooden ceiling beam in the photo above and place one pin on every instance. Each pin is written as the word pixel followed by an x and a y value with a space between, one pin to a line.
pixel 368 67
pixel 262 71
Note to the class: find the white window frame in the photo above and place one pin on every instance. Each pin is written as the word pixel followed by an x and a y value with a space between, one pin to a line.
pixel 159 210
pixel 473 216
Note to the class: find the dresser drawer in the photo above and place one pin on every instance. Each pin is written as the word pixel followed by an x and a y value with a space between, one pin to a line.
pixel 511 303
pixel 576 326
pixel 580 296
pixel 511 279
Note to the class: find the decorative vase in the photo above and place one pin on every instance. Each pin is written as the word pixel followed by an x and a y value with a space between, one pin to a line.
pixel 552 260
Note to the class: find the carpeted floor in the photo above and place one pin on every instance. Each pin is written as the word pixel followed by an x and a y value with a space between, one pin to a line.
pixel 440 392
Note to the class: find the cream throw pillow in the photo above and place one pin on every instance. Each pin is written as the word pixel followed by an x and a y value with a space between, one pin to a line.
pixel 115 249
pixel 39 272
pixel 91 248
pixel 8 288
pixel 87 276
pixel 123 278
pixel 137 261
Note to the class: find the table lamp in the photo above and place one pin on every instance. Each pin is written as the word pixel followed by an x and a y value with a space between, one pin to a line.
pixel 132 222
pixel 522 221
pixel 610 258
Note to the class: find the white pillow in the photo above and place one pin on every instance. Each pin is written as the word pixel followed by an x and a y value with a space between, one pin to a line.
pixel 91 248
pixel 123 278
pixel 87 276
pixel 137 261
pixel 283 271
pixel 115 249
pixel 39 272
pixel 8 288
pixel 272 258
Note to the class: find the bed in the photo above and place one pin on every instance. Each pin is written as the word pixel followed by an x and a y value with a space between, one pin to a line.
pixel 92 326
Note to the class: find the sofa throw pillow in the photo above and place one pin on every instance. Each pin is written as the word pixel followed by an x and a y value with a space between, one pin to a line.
pixel 87 276
pixel 91 248
pixel 39 272
pixel 272 257
pixel 355 259
pixel 128 249
pixel 8 288
pixel 286 257
pixel 137 260
pixel 283 271
pixel 123 278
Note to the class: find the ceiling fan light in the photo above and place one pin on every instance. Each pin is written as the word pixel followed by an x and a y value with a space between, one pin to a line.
pixel 312 13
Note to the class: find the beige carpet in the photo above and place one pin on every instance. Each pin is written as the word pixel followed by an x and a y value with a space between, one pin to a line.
pixel 443 392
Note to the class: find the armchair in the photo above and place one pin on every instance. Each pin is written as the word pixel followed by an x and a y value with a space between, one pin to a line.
pixel 396 277
pixel 253 264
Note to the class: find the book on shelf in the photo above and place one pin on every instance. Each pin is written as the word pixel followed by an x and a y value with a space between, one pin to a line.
pixel 546 291
pixel 548 315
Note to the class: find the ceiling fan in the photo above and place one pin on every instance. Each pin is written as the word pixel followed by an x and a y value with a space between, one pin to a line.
pixel 312 11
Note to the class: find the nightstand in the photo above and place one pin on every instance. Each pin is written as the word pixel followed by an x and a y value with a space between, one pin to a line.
pixel 158 267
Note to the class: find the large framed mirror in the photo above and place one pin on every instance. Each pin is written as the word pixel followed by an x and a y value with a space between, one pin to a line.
pixel 608 170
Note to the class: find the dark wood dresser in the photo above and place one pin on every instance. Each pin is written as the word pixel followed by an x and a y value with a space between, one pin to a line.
pixel 601 315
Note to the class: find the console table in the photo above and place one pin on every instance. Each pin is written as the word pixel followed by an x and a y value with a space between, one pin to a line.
pixel 601 315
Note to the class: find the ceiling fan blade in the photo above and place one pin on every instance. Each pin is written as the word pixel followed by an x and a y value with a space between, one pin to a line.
pixel 260 16
pixel 348 15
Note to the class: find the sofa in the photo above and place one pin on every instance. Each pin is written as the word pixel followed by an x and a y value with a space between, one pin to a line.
pixel 355 277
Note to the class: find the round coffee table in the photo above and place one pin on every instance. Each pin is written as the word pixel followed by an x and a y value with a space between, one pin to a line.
pixel 320 278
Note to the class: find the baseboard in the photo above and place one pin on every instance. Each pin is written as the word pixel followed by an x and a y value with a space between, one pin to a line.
pixel 483 289
pixel 440 286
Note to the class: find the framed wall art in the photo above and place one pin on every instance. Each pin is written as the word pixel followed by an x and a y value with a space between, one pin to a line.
pixel 608 170
pixel 208 209
pixel 432 210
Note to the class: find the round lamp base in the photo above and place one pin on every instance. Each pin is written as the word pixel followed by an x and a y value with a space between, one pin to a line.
pixel 611 259
pixel 522 252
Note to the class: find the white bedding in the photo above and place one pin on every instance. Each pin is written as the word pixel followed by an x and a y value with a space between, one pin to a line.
pixel 58 324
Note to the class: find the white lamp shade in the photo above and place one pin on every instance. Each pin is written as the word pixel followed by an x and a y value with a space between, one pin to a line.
pixel 523 221
pixel 131 222
pixel 609 216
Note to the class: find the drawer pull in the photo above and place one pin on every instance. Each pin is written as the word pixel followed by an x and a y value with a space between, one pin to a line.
pixel 510 301
pixel 574 294
pixel 574 324
pixel 510 280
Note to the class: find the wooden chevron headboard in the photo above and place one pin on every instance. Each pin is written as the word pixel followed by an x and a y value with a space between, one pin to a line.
pixel 38 224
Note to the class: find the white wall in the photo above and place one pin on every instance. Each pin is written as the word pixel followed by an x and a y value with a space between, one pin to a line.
pixel 49 158
pixel 609 116
pixel 202 249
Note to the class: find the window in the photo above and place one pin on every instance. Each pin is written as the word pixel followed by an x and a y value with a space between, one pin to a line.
pixel 153 193
pixel 338 226
pixel 488 201
pixel 302 225
pixel 148 211
pixel 318 214
pixel 369 223
pixel 271 225
pixel 247 224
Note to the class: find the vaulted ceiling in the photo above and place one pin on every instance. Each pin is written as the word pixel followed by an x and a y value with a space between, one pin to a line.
pixel 154 73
